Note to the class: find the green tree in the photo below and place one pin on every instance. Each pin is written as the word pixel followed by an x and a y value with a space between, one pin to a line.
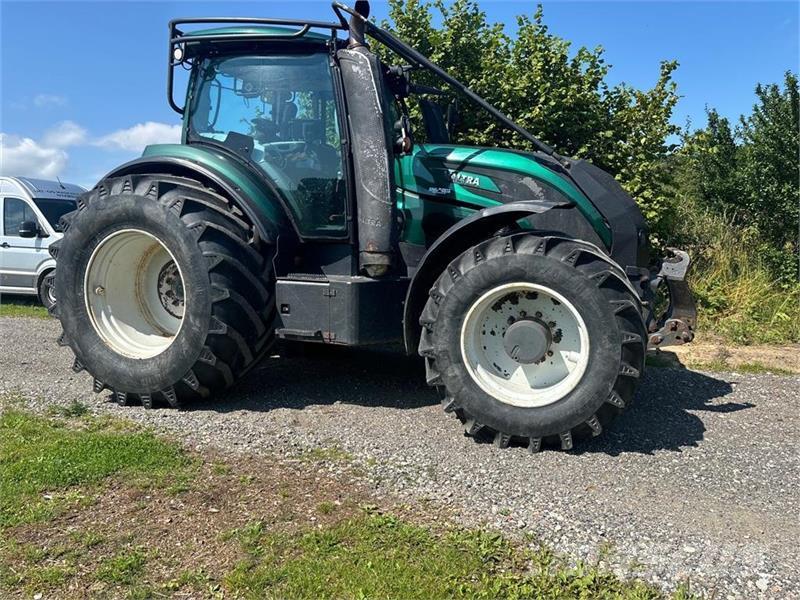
pixel 710 165
pixel 770 168
pixel 557 93
pixel 751 174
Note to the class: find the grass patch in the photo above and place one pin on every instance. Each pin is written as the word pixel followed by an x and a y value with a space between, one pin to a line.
pixel 76 408
pixel 380 556
pixel 326 454
pixel 716 364
pixel 750 368
pixel 326 507
pixel 22 306
pixel 36 568
pixel 47 463
pixel 43 461
pixel 123 568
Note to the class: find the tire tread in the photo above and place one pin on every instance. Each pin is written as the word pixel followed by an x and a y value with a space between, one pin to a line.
pixel 592 263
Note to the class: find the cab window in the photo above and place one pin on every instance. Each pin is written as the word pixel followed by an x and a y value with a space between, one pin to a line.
pixel 15 213
pixel 279 112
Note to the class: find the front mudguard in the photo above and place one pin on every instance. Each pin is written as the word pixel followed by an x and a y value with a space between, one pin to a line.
pixel 677 324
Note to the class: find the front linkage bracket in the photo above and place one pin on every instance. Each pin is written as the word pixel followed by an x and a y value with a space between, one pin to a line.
pixel 676 326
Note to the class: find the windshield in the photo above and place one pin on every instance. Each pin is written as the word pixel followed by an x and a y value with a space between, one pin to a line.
pixel 279 112
pixel 53 209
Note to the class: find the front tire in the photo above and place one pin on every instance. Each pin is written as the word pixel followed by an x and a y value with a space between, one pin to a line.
pixel 534 340
pixel 165 292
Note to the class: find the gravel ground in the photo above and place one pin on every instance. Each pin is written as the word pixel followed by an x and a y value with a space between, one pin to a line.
pixel 698 480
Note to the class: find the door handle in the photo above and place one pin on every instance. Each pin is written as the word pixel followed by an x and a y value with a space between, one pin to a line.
pixel 5 245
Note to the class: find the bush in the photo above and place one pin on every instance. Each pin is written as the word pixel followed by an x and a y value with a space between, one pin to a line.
pixel 738 294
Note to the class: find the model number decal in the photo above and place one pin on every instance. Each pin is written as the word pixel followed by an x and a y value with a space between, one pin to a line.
pixel 439 191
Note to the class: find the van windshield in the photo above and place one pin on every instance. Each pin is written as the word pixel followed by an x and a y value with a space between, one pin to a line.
pixel 53 209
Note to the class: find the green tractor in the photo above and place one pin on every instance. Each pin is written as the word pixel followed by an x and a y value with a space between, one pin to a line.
pixel 299 207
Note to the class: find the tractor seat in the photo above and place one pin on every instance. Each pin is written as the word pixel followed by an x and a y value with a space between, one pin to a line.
pixel 313 133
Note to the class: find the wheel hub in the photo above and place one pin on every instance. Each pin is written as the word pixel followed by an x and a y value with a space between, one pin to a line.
pixel 134 293
pixel 524 344
pixel 170 289
pixel 527 341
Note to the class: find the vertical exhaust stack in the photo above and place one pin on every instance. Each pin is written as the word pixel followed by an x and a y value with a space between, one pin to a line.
pixel 356 25
pixel 371 142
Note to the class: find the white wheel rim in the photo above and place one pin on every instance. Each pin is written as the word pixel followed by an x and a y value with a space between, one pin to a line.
pixel 508 381
pixel 134 293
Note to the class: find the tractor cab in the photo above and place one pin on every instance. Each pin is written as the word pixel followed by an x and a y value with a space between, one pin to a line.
pixel 314 118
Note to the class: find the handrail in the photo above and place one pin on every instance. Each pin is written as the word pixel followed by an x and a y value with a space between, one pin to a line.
pixel 177 37
pixel 254 21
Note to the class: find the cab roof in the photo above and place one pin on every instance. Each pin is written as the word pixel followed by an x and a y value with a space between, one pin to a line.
pixel 267 31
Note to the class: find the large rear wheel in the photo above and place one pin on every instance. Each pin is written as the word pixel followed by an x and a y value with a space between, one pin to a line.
pixel 165 292
pixel 533 340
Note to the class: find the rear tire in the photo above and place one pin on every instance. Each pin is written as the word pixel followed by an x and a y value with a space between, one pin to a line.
pixel 581 334
pixel 165 292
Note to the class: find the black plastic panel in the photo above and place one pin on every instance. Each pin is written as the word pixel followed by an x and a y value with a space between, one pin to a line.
pixel 350 311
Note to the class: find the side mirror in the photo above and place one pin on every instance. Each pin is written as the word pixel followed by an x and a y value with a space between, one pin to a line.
pixel 29 229
pixel 404 142
pixel 399 81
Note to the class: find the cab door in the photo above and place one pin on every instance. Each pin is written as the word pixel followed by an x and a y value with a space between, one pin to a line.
pixel 19 257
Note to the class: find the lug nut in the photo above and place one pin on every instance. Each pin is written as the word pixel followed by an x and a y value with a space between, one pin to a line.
pixel 538 314
pixel 100 290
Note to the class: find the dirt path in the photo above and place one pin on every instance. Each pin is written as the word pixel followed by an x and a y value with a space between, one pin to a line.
pixel 716 353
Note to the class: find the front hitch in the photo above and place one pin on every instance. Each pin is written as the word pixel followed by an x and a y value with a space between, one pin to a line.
pixel 676 326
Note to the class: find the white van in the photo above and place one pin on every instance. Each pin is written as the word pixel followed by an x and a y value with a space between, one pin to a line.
pixel 30 210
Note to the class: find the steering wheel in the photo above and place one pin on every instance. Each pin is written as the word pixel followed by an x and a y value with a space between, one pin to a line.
pixel 274 157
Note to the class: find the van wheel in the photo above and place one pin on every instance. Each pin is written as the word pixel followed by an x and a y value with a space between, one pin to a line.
pixel 47 291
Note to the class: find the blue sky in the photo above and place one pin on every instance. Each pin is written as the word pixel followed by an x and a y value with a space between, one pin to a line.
pixel 82 84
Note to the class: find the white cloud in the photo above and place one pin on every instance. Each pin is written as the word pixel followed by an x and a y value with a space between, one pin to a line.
pixel 140 135
pixel 66 133
pixel 47 100
pixel 47 157
pixel 25 157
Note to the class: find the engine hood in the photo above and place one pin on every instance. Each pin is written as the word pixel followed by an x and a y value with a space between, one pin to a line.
pixel 482 177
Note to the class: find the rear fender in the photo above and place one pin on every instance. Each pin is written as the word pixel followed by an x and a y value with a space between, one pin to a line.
pixel 462 235
pixel 265 212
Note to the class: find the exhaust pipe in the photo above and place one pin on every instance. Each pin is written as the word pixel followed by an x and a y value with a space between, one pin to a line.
pixel 356 25
pixel 372 149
